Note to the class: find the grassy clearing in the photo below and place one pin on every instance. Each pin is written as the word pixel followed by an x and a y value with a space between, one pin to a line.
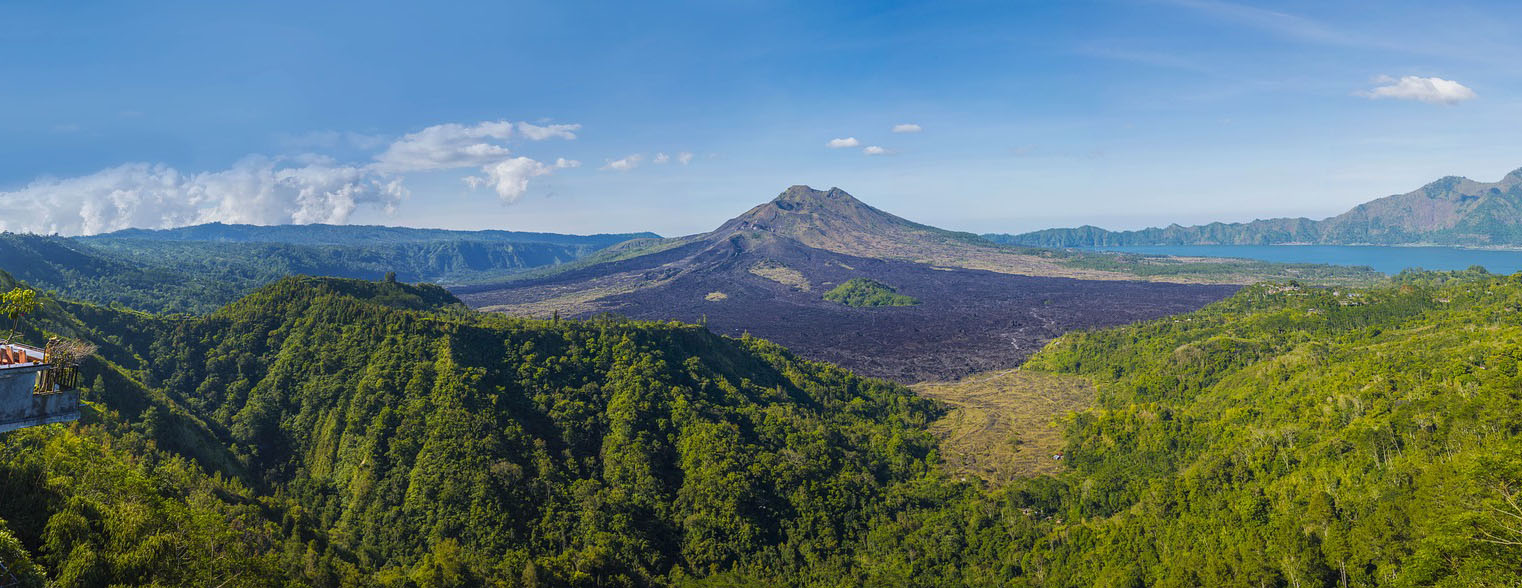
pixel 781 274
pixel 1005 425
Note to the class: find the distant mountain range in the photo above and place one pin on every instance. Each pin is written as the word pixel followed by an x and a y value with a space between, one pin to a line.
pixel 766 272
pixel 320 234
pixel 1450 211
pixel 200 268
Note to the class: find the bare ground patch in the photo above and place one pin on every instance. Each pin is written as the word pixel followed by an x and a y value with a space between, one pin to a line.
pixel 1005 425
pixel 781 274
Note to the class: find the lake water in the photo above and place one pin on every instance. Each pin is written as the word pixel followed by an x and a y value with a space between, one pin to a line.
pixel 1390 260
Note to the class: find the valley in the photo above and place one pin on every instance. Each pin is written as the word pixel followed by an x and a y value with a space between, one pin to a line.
pixel 642 451
pixel 574 295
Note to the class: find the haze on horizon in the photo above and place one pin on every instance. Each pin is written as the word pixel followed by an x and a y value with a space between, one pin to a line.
pixel 586 118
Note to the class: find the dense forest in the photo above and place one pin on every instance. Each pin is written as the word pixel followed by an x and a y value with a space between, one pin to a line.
pixel 379 433
pixel 339 432
pixel 1300 436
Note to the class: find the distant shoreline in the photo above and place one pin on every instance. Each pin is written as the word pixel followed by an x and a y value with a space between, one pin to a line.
pixel 1517 248
pixel 1385 259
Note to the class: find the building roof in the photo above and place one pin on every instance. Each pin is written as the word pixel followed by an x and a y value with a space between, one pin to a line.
pixel 15 355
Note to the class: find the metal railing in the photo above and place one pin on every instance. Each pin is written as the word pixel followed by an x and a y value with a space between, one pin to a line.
pixel 57 379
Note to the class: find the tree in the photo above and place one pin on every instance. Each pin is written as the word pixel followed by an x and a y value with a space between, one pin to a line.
pixel 15 304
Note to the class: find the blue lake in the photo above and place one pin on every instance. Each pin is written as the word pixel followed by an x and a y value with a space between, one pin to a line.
pixel 1389 260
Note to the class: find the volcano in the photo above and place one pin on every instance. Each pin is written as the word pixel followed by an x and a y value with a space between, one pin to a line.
pixel 980 306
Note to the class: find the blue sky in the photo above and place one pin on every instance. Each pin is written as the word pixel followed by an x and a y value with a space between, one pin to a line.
pixel 513 115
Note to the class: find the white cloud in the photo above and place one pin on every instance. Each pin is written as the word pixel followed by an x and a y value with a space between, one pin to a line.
pixel 538 133
pixel 875 150
pixel 1430 90
pixel 263 190
pixel 510 177
pixel 661 158
pixel 447 146
pixel 453 146
pixel 624 164
pixel 256 190
pixel 907 128
pixel 684 158
pixel 843 143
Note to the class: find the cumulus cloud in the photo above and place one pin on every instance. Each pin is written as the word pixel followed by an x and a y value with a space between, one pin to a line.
pixel 843 143
pixel 482 145
pixel 624 164
pixel 256 190
pixel 907 128
pixel 661 158
pixel 1432 90
pixel 447 146
pixel 874 150
pixel 509 177
pixel 684 158
pixel 279 190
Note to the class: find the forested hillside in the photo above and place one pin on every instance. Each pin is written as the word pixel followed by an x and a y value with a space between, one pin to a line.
pixel 427 443
pixel 326 431
pixel 1303 437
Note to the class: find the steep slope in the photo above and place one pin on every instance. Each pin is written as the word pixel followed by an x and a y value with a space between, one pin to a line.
pixel 833 220
pixel 1450 211
pixel 767 271
pixel 126 495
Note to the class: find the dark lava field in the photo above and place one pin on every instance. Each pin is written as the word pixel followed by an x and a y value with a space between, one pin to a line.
pixel 968 321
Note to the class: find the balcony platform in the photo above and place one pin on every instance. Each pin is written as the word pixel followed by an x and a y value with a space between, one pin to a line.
pixel 21 404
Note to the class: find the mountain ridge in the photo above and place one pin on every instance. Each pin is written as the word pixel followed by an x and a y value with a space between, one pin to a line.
pixel 326 234
pixel 1452 210
pixel 199 268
